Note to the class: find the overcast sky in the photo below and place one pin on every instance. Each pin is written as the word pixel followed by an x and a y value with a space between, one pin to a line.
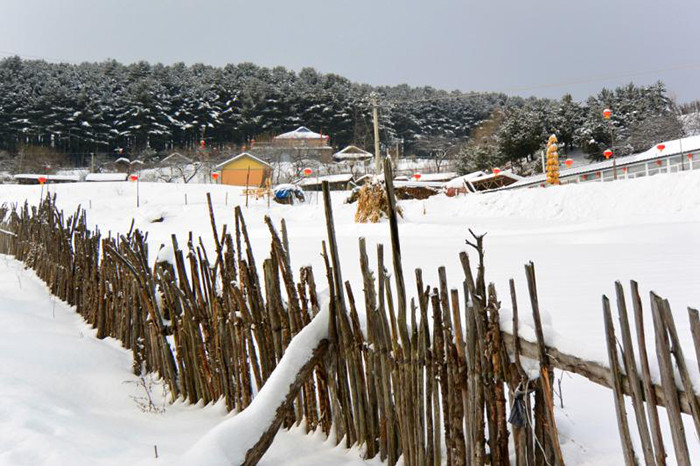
pixel 526 47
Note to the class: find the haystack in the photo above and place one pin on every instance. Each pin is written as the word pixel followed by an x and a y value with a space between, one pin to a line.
pixel 373 204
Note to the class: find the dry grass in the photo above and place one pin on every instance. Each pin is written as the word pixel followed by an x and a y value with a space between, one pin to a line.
pixel 373 204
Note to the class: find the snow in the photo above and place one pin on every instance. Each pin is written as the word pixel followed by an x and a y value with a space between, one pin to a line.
pixel 228 442
pixel 352 153
pixel 106 177
pixel 300 133
pixel 436 177
pixel 314 180
pixel 460 180
pixel 581 237
pixel 33 176
pixel 67 398
pixel 489 176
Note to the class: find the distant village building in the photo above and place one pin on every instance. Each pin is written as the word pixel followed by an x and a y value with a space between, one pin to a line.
pixel 105 177
pixel 175 159
pixel 341 182
pixel 245 170
pixel 352 154
pixel 300 144
pixel 31 178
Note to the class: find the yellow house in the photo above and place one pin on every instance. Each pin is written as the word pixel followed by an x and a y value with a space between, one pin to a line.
pixel 245 170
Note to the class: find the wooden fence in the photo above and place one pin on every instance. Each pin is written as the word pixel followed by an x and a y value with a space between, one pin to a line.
pixel 432 379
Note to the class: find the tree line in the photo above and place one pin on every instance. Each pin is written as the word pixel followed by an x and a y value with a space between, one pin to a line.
pixel 111 108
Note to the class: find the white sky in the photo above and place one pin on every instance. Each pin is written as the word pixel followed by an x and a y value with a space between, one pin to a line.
pixel 515 46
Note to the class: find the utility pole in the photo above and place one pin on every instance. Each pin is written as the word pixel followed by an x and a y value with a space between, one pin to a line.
pixel 607 114
pixel 544 164
pixel 375 114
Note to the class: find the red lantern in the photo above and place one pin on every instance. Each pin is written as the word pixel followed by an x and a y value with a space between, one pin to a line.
pixel 690 156
pixel 215 176
pixel 661 147
pixel 624 169
pixel 568 162
pixel 416 176
pixel 658 162
pixel 308 172
pixel 496 171
pixel 608 153
pixel 133 177
pixel 42 179
pixel 202 144
pixel 607 113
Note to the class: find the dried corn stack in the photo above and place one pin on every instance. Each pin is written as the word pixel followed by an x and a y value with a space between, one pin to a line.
pixel 373 204
pixel 552 160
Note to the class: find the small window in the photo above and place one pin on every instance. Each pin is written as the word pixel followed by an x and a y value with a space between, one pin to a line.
pixel 634 169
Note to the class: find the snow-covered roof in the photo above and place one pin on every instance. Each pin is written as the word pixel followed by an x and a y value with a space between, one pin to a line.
pixel 419 184
pixel 301 132
pixel 34 176
pixel 106 177
pixel 428 177
pixel 352 153
pixel 671 148
pixel 174 157
pixel 489 176
pixel 460 180
pixel 313 180
pixel 122 160
pixel 241 155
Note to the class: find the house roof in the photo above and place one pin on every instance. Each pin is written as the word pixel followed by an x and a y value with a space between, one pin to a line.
pixel 33 176
pixel 435 177
pixel 673 147
pixel 313 180
pixel 301 132
pixel 106 177
pixel 491 176
pixel 352 153
pixel 241 155
pixel 175 156
pixel 460 180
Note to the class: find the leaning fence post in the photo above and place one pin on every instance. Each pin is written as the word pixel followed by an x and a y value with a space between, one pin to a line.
pixel 627 449
pixel 545 366
pixel 633 376
pixel 649 392
pixel 668 383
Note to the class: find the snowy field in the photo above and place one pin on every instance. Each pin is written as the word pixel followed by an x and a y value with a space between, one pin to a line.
pixel 63 396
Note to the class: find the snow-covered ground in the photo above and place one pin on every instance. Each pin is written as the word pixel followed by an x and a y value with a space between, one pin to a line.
pixel 581 237
pixel 67 398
